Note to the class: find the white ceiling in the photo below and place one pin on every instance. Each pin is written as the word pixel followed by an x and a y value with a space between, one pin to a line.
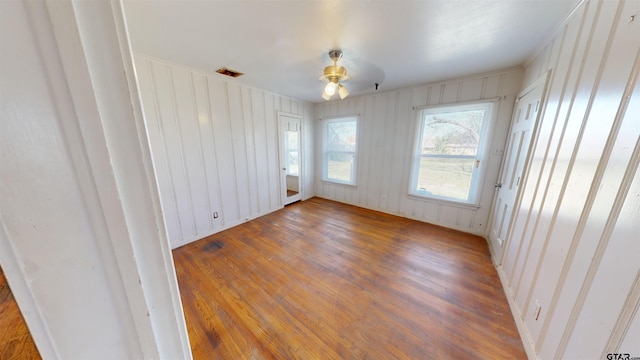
pixel 282 45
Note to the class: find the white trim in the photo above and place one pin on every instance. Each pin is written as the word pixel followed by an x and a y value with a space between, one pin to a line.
pixel 555 33
pixel 481 156
pixel 463 103
pixel 281 161
pixel 229 225
pixel 542 80
pixel 525 335
pixel 149 305
pixel 629 311
pixel 166 298
pixel 332 117
pixel 27 302
pixel 440 201
pixel 323 161
pixel 545 81
pixel 87 45
pixel 90 157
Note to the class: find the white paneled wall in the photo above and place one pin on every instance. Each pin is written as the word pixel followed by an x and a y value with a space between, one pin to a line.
pixel 215 147
pixel 82 241
pixel 386 135
pixel 574 247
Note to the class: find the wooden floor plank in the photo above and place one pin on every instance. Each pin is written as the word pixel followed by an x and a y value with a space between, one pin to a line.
pixel 324 280
pixel 15 339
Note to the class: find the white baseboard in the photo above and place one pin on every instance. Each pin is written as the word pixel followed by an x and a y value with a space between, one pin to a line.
pixel 407 216
pixel 525 335
pixel 228 225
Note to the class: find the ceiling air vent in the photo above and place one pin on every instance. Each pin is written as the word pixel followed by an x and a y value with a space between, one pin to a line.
pixel 229 72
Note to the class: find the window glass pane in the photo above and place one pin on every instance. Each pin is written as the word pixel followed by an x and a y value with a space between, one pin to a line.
pixel 448 177
pixel 449 151
pixel 452 133
pixel 339 150
pixel 339 166
pixel 341 136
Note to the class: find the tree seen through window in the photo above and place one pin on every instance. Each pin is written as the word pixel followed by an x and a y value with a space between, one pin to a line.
pixel 448 154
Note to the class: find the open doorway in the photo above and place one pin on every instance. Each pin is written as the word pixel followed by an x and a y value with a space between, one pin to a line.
pixel 290 157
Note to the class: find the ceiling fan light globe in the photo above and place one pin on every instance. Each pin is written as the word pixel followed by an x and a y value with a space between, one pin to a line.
pixel 342 91
pixel 330 89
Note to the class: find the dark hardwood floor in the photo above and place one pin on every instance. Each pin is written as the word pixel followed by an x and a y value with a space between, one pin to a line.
pixel 324 280
pixel 15 340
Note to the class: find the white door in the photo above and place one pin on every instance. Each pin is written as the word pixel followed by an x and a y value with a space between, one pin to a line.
pixel 523 123
pixel 290 157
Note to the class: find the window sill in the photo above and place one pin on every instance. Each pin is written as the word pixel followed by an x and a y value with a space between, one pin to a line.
pixel 329 182
pixel 457 204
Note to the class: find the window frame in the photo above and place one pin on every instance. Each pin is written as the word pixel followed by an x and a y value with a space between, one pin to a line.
pixel 477 177
pixel 325 151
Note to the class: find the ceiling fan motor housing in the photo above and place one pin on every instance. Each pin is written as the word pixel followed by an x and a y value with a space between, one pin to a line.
pixel 334 72
pixel 335 55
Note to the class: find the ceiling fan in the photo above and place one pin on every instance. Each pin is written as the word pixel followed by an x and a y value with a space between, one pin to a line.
pixel 335 75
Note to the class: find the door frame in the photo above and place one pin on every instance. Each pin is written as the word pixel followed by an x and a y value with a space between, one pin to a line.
pixel 498 254
pixel 132 207
pixel 284 199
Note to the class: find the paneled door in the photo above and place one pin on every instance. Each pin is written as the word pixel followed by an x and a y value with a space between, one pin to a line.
pixel 290 157
pixel 523 123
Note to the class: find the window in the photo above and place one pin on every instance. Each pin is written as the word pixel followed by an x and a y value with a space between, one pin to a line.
pixel 448 152
pixel 339 155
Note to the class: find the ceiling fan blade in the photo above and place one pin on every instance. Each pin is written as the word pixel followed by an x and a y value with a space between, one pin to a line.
pixel 363 75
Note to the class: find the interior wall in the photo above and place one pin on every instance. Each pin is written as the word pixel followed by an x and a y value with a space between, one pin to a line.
pixel 215 147
pixel 385 142
pixel 82 241
pixel 573 247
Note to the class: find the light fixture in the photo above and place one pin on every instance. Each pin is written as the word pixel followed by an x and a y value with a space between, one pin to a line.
pixel 342 91
pixel 330 89
pixel 335 74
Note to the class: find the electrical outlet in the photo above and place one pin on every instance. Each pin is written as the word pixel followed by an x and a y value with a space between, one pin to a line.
pixel 536 310
pixel 384 197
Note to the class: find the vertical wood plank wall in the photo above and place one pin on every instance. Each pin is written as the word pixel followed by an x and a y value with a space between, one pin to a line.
pixel 82 243
pixel 385 142
pixel 574 247
pixel 215 147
